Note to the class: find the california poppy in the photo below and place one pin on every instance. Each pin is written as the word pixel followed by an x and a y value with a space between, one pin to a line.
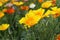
pixel 9 11
pixel 53 2
pixel 58 37
pixel 24 7
pixel 40 1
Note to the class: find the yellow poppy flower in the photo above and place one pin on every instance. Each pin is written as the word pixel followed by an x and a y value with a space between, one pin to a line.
pixel 30 19
pixel 4 1
pixel 46 4
pixel 4 26
pixel 57 12
pixel 22 20
pixel 47 13
pixel 18 3
pixel 1 14
pixel 1 3
pixel 39 12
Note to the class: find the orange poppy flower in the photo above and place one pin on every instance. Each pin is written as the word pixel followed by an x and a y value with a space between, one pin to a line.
pixel 53 2
pixel 58 37
pixel 40 1
pixel 24 7
pixel 9 11
pixel 56 15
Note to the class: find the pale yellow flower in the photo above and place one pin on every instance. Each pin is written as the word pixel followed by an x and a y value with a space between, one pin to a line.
pixel 2 2
pixel 30 13
pixel 29 21
pixel 4 26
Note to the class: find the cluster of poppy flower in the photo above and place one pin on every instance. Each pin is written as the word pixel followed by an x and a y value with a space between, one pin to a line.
pixel 33 16
pixel 8 8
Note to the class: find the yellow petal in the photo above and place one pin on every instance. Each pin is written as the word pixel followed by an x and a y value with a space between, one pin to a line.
pixel 54 8
pixel 1 3
pixel 46 4
pixel 1 14
pixel 40 12
pixel 4 26
pixel 18 3
pixel 22 20
pixel 47 13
